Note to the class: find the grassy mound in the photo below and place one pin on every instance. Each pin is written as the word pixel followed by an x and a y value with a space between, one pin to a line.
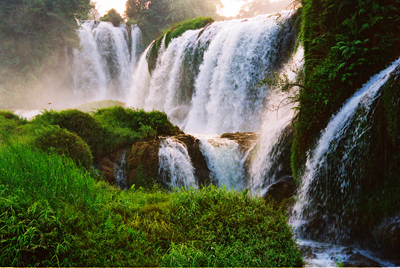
pixel 55 214
pixel 63 142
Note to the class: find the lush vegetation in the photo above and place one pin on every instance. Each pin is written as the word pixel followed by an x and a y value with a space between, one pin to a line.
pixel 345 42
pixel 74 132
pixel 153 17
pixel 57 212
pixel 173 32
pixel 113 16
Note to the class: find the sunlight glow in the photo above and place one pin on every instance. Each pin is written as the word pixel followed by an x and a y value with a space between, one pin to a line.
pixel 231 7
pixel 105 5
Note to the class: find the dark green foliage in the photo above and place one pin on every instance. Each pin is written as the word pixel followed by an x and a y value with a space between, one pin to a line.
pixel 174 32
pixel 63 142
pixel 9 122
pixel 136 119
pixel 100 139
pixel 113 16
pixel 54 214
pixel 345 43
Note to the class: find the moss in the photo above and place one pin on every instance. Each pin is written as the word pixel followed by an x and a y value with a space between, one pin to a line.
pixel 174 32
pixel 345 43
pixel 63 142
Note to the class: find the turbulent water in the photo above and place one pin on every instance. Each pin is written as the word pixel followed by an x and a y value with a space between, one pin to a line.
pixel 207 79
pixel 175 165
pixel 338 129
pixel 103 66
pixel 225 161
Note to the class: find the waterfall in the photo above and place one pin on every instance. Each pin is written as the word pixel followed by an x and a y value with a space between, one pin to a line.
pixel 175 166
pixel 102 68
pixel 326 199
pixel 224 160
pixel 207 80
pixel 120 172
pixel 278 115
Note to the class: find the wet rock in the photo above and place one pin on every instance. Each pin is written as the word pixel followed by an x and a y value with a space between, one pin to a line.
pixel 282 189
pixel 245 139
pixel 202 172
pixel 307 252
pixel 359 260
pixel 387 236
pixel 142 163
pixel 107 167
pixel 281 155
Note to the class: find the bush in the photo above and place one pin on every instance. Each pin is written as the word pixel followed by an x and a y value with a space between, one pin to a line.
pixel 9 122
pixel 64 142
pixel 135 120
pixel 100 138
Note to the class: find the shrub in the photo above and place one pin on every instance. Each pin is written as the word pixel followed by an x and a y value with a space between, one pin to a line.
pixel 100 139
pixel 64 142
pixel 135 120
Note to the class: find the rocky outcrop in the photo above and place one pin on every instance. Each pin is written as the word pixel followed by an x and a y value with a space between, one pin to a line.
pixel 284 188
pixel 387 236
pixel 245 139
pixel 142 163
pixel 107 165
pixel 202 172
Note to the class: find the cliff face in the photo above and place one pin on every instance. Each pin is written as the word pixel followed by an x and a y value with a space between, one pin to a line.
pixel 345 43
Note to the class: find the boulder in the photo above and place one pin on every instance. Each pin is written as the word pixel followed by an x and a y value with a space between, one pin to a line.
pixel 107 165
pixel 142 163
pixel 387 236
pixel 245 139
pixel 282 189
pixel 202 172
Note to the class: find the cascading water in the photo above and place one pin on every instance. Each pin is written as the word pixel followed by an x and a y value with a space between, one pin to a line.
pixel 331 184
pixel 224 160
pixel 207 79
pixel 279 114
pixel 175 166
pixel 103 67
pixel 120 172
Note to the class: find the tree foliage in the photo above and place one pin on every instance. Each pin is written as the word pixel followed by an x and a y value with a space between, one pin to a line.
pixel 34 35
pixel 345 43
pixel 153 17
pixel 113 16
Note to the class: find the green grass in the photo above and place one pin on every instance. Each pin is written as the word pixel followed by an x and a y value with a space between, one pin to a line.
pixel 56 214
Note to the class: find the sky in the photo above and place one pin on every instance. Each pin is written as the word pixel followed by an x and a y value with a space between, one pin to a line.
pixel 231 7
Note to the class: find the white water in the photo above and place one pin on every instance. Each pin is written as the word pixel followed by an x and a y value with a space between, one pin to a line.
pixel 225 95
pixel 175 166
pixel 335 129
pixel 224 160
pixel 103 67
pixel 120 172
pixel 278 115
